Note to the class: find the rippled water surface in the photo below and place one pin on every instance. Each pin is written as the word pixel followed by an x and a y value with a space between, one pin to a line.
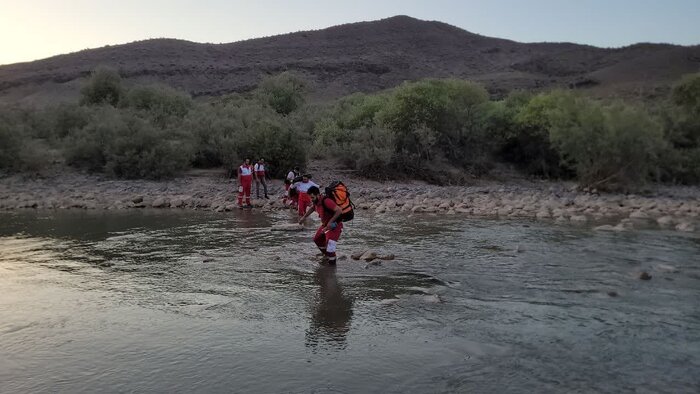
pixel 162 301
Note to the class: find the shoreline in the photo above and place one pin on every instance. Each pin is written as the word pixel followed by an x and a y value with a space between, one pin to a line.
pixel 669 207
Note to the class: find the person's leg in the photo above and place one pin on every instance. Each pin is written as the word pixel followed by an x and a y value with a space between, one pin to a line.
pixel 332 238
pixel 246 191
pixel 240 195
pixel 264 183
pixel 257 188
pixel 320 240
pixel 304 202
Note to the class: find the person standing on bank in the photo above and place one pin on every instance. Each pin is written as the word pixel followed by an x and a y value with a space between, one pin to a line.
pixel 245 182
pixel 260 175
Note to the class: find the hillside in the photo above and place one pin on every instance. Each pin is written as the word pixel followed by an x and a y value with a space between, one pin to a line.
pixel 365 56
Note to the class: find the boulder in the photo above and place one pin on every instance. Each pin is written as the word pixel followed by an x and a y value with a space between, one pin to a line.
pixel 357 255
pixel 369 255
pixel 579 219
pixel 639 215
pixel 159 202
pixel 287 227
pixel 605 227
pixel 686 227
pixel 665 221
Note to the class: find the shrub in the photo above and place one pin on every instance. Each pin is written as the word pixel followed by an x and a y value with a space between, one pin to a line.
pixel 126 146
pixel 163 104
pixel 103 87
pixel 450 112
pixel 614 147
pixel 283 92
pixel 10 144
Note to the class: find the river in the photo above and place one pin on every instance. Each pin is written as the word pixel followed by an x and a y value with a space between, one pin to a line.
pixel 165 301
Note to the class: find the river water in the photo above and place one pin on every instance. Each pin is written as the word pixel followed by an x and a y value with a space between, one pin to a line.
pixel 159 301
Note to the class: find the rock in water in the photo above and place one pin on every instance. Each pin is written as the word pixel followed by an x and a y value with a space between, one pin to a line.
pixel 644 276
pixel 369 255
pixel 287 227
pixel 357 255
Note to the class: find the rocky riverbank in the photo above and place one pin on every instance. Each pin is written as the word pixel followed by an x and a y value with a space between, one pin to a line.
pixel 667 207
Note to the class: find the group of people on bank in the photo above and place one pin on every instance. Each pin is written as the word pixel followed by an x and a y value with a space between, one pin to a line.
pixel 333 205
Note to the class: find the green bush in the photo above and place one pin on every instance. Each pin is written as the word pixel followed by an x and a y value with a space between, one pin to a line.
pixel 284 92
pixel 686 93
pixel 524 132
pixel 126 146
pixel 163 104
pixel 681 119
pixel 434 118
pixel 614 147
pixel 370 150
pixel 103 87
pixel 10 145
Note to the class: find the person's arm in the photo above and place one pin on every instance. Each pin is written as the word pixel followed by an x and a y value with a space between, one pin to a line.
pixel 336 214
pixel 308 213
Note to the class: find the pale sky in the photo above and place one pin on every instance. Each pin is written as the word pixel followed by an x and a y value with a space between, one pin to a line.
pixel 35 29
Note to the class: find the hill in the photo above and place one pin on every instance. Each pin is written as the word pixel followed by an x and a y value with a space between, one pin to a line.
pixel 364 56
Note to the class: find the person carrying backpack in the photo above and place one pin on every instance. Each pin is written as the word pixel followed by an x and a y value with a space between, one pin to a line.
pixel 333 207
pixel 328 234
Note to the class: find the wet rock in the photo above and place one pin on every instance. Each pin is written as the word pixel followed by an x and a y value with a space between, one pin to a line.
pixel 357 255
pixel 686 227
pixel 579 219
pixel 667 268
pixel 369 255
pixel 389 256
pixel 639 215
pixel 644 276
pixel 542 215
pixel 159 202
pixel 605 227
pixel 137 199
pixel 612 294
pixel 287 227
pixel 178 203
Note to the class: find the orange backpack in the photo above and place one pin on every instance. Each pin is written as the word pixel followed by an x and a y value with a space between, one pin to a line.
pixel 338 192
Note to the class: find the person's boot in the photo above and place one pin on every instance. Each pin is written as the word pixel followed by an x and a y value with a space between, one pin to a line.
pixel 266 197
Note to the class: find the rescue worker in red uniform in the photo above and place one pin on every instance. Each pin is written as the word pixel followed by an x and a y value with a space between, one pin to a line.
pixel 327 236
pixel 302 189
pixel 245 181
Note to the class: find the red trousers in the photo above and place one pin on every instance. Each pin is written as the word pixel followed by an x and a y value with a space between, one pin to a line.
pixel 326 241
pixel 246 183
pixel 304 203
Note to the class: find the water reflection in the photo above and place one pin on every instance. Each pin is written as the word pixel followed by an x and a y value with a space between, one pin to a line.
pixel 332 313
